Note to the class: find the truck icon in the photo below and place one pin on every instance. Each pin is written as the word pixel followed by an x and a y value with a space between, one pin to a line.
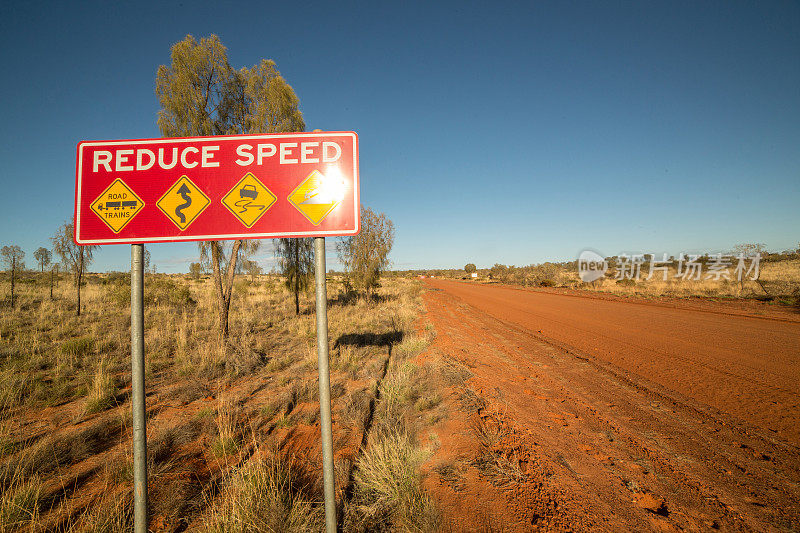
pixel 130 204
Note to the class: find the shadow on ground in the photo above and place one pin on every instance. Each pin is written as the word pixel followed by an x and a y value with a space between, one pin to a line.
pixel 369 339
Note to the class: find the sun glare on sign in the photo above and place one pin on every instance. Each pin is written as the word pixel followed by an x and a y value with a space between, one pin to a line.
pixel 319 194
pixel 331 188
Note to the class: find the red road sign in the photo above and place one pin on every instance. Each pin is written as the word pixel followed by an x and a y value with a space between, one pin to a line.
pixel 217 188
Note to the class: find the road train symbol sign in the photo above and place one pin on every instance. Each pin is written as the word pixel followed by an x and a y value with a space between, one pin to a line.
pixel 117 205
pixel 248 200
pixel 183 202
pixel 257 186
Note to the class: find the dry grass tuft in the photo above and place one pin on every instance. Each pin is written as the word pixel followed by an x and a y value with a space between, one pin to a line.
pixel 112 515
pixel 269 494
pixel 494 461
pixel 387 495
pixel 228 439
pixel 102 393
pixel 19 503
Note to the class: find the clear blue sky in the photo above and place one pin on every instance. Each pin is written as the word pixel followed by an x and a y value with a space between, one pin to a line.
pixel 511 133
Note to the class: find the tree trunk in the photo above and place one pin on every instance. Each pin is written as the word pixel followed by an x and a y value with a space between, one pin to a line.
pixel 230 273
pixel 297 278
pixel 224 292
pixel 13 270
pixel 223 318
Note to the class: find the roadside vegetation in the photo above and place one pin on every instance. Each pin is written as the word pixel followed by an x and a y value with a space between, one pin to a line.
pixel 778 280
pixel 233 430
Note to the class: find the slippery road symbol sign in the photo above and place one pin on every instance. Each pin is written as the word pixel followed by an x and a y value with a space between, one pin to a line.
pixel 318 195
pixel 183 202
pixel 249 200
pixel 117 205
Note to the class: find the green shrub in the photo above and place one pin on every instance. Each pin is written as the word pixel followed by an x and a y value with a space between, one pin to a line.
pixel 78 347
pixel 116 278
pixel 157 291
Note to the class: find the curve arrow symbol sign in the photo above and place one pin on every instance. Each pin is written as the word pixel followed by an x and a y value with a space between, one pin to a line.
pixel 184 192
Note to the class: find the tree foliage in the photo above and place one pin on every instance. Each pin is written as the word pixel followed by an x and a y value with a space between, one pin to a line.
pixel 13 257
pixel 296 263
pixel 195 270
pixel 146 260
pixel 43 257
pixel 251 268
pixel 201 94
pixel 75 258
pixel 750 249
pixel 498 271
pixel 469 268
pixel 366 255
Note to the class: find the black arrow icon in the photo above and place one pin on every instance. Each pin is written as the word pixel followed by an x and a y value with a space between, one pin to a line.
pixel 184 192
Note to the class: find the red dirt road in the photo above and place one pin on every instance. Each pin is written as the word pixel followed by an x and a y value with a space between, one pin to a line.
pixel 620 416
pixel 746 366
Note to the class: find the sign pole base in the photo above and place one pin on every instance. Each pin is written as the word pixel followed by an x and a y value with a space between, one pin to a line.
pixel 324 385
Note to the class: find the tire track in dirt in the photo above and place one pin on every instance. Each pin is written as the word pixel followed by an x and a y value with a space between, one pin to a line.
pixel 618 451
pixel 745 366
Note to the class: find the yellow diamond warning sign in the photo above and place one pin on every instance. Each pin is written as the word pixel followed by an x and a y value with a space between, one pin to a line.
pixel 318 195
pixel 183 202
pixel 117 205
pixel 249 200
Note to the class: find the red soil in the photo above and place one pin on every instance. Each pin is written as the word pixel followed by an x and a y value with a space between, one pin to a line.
pixel 620 416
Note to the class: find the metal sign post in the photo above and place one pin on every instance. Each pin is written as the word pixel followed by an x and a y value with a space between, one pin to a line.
pixel 324 385
pixel 137 390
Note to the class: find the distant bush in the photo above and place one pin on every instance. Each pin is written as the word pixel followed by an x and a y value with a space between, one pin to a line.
pixel 626 282
pixel 159 290
pixel 116 278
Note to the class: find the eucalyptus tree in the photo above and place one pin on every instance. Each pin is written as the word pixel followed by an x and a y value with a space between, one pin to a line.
pixel 43 257
pixel 366 255
pixel 296 262
pixel 201 94
pixel 12 257
pixel 75 258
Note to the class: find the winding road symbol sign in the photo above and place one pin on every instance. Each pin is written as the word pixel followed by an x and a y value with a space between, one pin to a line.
pixel 117 205
pixel 183 202
pixel 249 200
